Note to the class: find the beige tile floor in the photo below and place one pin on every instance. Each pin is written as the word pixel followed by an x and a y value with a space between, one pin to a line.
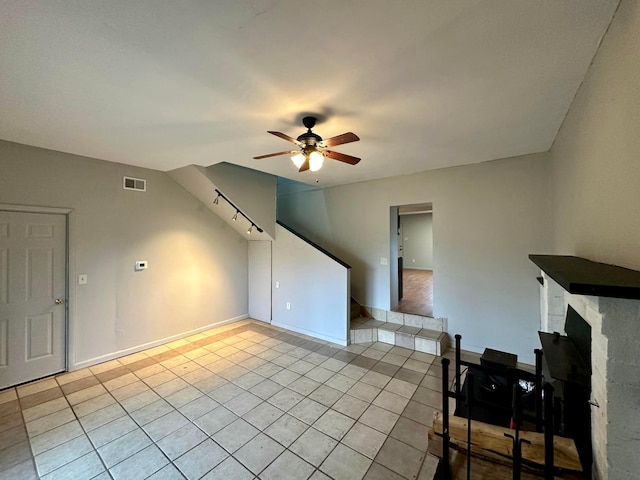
pixel 244 401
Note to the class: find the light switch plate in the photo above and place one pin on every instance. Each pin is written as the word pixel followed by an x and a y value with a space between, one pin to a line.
pixel 383 261
pixel 141 265
pixel 82 279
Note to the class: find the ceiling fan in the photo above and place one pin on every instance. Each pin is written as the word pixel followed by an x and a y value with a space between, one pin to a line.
pixel 313 148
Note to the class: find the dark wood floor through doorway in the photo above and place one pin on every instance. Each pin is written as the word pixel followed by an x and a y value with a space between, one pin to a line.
pixel 417 292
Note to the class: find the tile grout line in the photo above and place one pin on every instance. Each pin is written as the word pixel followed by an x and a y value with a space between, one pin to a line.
pixel 333 351
pixel 24 426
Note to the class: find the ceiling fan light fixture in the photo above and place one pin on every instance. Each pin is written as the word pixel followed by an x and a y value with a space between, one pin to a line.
pixel 298 159
pixel 312 148
pixel 316 160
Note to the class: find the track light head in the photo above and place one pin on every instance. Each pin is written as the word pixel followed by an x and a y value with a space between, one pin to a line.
pixel 252 225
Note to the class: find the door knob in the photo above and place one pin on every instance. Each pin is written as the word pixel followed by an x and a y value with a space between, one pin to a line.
pixel 59 301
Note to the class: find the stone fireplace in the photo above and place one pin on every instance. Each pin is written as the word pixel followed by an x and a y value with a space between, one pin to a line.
pixel 608 299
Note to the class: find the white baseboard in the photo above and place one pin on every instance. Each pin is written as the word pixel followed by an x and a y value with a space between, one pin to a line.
pixel 128 351
pixel 328 338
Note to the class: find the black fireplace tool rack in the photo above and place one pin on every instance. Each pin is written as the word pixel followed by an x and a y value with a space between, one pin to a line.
pixel 467 400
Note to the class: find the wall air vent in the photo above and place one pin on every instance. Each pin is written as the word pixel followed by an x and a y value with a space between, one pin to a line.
pixel 130 183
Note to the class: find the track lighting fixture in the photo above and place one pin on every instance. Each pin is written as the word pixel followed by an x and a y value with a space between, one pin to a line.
pixel 252 225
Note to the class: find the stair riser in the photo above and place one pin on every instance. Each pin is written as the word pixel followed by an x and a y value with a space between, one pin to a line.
pixel 419 344
pixel 408 319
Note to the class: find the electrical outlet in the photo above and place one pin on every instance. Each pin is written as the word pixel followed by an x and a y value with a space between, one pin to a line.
pixel 277 284
pixel 288 305
pixel 82 279
pixel 141 265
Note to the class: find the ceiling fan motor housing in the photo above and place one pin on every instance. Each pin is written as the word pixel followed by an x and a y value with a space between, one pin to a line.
pixel 308 149
pixel 309 122
pixel 310 139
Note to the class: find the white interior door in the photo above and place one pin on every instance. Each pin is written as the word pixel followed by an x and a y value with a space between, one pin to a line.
pixel 260 280
pixel 32 296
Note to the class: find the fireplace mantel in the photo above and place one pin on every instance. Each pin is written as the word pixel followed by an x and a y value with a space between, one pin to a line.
pixel 607 297
pixel 583 277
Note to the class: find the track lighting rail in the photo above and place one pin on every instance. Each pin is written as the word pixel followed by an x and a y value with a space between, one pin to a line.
pixel 252 224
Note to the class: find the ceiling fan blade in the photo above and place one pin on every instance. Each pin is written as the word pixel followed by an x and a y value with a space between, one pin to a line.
pixel 341 157
pixel 286 137
pixel 272 155
pixel 305 165
pixel 340 140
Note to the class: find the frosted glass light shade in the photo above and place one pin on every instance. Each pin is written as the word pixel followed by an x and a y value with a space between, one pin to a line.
pixel 315 161
pixel 298 159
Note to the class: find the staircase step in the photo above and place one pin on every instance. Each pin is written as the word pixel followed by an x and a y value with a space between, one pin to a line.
pixel 354 309
pixel 364 330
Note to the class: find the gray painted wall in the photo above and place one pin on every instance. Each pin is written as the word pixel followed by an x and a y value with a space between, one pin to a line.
pixel 417 240
pixel 596 179
pixel 596 155
pixel 316 286
pixel 252 191
pixel 197 273
pixel 486 284
pixel 260 280
pixel 200 182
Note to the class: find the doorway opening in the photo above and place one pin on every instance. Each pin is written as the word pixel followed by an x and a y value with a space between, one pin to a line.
pixel 412 252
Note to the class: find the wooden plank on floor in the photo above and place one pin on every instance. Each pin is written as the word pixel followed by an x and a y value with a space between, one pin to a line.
pixel 486 464
pixel 492 438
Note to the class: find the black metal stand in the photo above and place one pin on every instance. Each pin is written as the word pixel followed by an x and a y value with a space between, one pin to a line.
pixel 446 469
pixel 543 416
pixel 469 404
pixel 458 358
pixel 538 387
pixel 548 431
pixel 517 441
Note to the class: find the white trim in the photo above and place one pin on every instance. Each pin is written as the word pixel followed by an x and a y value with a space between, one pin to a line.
pixel 34 209
pixel 328 338
pixel 71 288
pixel 128 351
pixel 421 212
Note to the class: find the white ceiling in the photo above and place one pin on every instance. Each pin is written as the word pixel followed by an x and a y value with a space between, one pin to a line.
pixel 424 83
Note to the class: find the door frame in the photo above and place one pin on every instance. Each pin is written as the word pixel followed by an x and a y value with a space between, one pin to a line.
pixel 69 267
pixel 396 243
pixel 394 271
